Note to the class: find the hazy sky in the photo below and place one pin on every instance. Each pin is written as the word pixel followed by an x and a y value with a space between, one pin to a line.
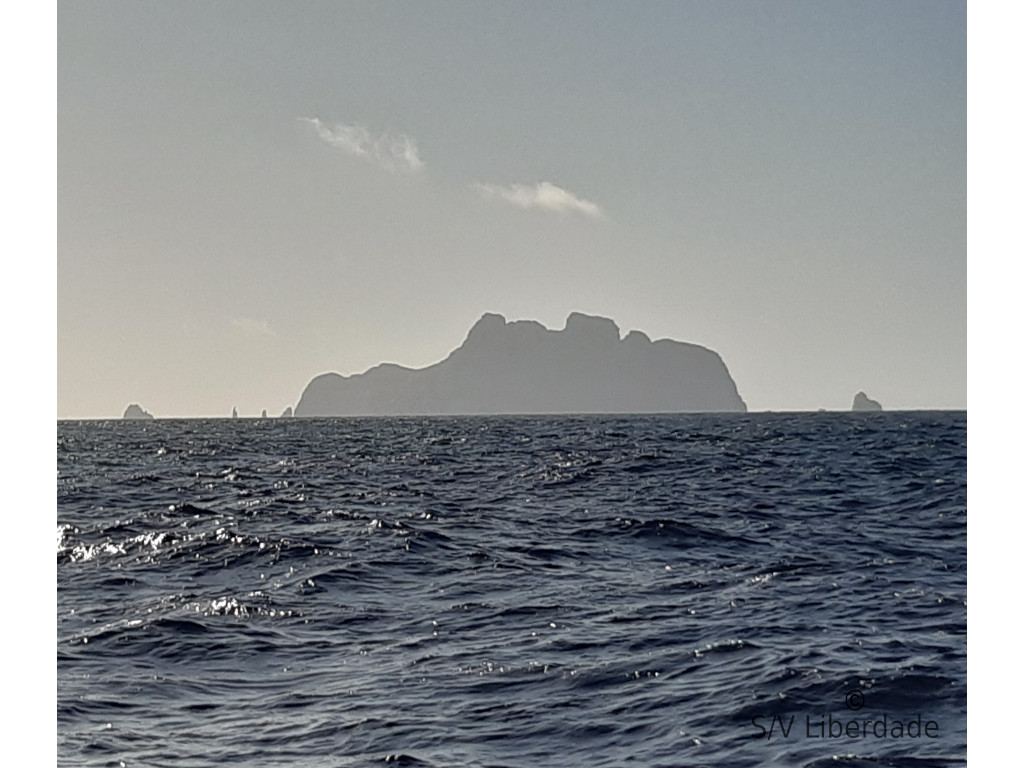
pixel 254 193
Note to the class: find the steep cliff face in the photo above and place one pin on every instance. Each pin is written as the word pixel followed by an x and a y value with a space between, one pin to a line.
pixel 523 367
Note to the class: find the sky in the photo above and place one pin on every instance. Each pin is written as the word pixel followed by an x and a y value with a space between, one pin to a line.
pixel 250 194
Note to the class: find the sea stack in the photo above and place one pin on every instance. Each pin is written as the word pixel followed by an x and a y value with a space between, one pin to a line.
pixel 135 412
pixel 862 402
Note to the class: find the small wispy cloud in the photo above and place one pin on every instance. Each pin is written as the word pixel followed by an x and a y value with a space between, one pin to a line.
pixel 394 153
pixel 544 195
pixel 251 325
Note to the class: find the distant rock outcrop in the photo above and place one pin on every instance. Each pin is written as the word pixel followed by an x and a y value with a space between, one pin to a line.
pixel 522 367
pixel 134 411
pixel 862 402
pixel 287 414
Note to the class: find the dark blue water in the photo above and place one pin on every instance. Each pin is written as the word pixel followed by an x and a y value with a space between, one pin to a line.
pixel 572 591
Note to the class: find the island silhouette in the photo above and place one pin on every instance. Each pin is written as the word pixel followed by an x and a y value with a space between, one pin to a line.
pixel 522 367
pixel 862 402
pixel 136 412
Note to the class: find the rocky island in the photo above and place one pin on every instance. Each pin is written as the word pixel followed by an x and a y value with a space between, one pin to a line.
pixel 522 367
pixel 862 402
pixel 135 411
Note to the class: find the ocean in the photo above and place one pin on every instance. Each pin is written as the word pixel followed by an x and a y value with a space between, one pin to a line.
pixel 500 592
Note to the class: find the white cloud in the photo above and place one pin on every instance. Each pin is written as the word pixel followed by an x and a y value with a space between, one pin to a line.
pixel 251 325
pixel 544 195
pixel 397 154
